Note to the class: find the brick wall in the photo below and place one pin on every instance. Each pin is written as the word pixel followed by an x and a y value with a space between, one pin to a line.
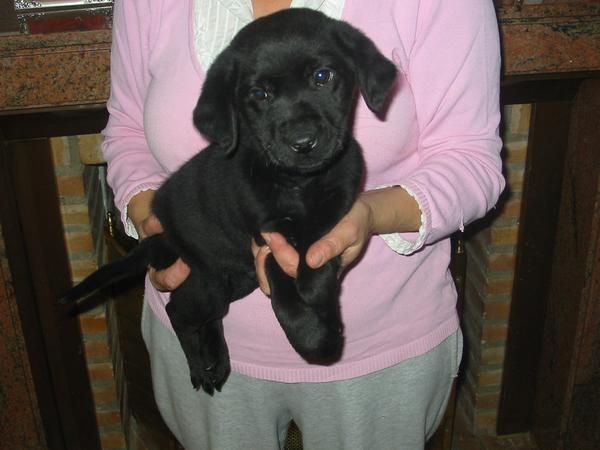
pixel 81 206
pixel 490 273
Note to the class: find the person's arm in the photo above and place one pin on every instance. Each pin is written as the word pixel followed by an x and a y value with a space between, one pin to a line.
pixel 133 172
pixel 132 168
pixel 453 68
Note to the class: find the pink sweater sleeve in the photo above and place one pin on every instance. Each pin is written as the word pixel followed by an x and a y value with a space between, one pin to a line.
pixel 131 166
pixel 453 70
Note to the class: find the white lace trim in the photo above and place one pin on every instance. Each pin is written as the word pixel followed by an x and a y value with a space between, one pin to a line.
pixel 396 241
pixel 127 222
pixel 217 21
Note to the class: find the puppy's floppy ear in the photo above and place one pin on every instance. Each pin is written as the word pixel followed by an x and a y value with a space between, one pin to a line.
pixel 375 73
pixel 215 113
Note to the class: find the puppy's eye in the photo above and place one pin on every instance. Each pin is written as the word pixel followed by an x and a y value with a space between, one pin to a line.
pixel 259 93
pixel 322 76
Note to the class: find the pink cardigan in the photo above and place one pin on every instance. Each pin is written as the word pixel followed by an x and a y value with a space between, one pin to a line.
pixel 439 140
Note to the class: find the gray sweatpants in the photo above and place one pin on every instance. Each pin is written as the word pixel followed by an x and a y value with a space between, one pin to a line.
pixel 396 408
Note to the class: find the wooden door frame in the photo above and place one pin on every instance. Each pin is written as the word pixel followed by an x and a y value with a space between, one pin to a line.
pixel 558 209
pixel 37 256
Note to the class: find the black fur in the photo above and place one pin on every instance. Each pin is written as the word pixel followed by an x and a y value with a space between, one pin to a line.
pixel 277 105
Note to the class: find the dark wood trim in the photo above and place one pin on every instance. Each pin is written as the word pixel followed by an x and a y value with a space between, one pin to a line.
pixel 25 297
pixel 33 235
pixel 519 90
pixel 539 216
pixel 58 122
pixel 22 428
pixel 8 17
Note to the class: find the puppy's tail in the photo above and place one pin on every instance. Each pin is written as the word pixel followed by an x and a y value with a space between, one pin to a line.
pixel 134 263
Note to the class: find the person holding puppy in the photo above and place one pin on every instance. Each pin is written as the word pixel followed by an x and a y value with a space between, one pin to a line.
pixel 433 165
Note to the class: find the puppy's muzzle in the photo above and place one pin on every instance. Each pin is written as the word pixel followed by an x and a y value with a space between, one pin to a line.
pixel 304 143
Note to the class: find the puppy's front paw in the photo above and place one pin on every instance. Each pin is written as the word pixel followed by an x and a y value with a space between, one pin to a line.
pixel 318 286
pixel 321 339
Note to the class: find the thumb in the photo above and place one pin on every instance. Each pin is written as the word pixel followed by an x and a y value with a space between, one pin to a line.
pixel 151 225
pixel 326 248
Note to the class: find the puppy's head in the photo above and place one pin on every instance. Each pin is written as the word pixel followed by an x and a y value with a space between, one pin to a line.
pixel 285 86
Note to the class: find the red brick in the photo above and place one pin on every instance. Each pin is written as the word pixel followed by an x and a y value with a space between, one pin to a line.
pixel 500 286
pixel 105 396
pixel 504 235
pixel 81 269
pixel 70 186
pixel 510 210
pixel 489 378
pixel 517 118
pixel 501 262
pixel 96 349
pixel 494 332
pixel 499 310
pixel 108 418
pixel 488 400
pixel 112 441
pixel 515 177
pixel 89 149
pixel 100 371
pixel 60 152
pixel 75 214
pixel 92 324
pixel 79 241
pixel 492 355
pixel 515 152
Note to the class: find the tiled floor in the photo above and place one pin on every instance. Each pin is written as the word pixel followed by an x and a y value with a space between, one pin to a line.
pixel 464 440
pixel 514 442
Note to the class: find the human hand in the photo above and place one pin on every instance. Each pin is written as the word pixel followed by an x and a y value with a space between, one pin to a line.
pixel 286 256
pixel 173 276
pixel 347 239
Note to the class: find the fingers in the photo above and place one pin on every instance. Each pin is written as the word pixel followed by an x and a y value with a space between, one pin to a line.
pixel 170 278
pixel 340 241
pixel 285 255
pixel 347 239
pixel 150 225
pixel 260 256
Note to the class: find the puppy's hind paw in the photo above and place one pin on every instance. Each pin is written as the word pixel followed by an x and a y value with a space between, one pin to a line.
pixel 211 377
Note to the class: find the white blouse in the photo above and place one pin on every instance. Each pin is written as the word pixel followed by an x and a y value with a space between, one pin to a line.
pixel 217 21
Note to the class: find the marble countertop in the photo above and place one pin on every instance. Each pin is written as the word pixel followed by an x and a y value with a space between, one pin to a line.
pixel 71 69
pixel 43 71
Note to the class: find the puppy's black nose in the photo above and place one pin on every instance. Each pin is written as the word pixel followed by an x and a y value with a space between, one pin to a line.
pixel 303 144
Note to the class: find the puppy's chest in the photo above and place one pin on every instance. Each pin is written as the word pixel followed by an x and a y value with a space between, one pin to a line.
pixel 296 204
pixel 290 208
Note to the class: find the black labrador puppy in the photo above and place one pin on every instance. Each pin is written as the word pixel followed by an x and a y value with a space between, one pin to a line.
pixel 277 106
